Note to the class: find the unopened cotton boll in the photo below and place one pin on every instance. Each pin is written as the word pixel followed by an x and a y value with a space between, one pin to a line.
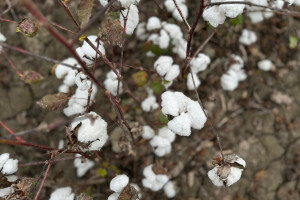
pixel 214 15
pixel 132 19
pixel 265 65
pixel 190 84
pixel 149 104
pixel 153 23
pixel 169 189
pixel 82 166
pixel 64 193
pixel 229 80
pixel 247 37
pixel 148 132
pixel 118 183
pixel 232 10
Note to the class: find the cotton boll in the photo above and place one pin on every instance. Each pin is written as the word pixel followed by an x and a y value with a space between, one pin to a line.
pixel 64 193
pixel 158 141
pixel 10 167
pixel 160 181
pixel 247 37
pixel 64 88
pixel 172 73
pixel 2 39
pixel 73 109
pixel 112 86
pixel 256 16
pixel 5 191
pixel 3 158
pixel 163 65
pixel 164 39
pixel 82 81
pixel 82 167
pixel 167 84
pixel 62 70
pixel 153 181
pixel 154 38
pixel 103 2
pixel 229 81
pixel 138 189
pixel 241 74
pixel 173 30
pixel 126 3
pixel 148 132
pixel 114 196
pixel 162 151
pixel 170 6
pixel 214 15
pixel 265 65
pixel 241 162
pixel 190 84
pixel 184 11
pixel 199 63
pixel 149 104
pixel 167 134
pixel 212 175
pixel 278 4
pixel 69 79
pixel 148 173
pixel 173 103
pixel 153 23
pixel 179 47
pixel 169 189
pixel 232 10
pixel 132 19
pixel 181 125
pixel 141 31
pixel 234 176
pixel 196 114
pixel 118 183
pixel 83 56
pixel 89 51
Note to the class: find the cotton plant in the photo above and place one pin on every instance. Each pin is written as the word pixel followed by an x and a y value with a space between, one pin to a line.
pixel 157 179
pixel 90 130
pixel 162 142
pixel 111 83
pixel 82 165
pixel 119 186
pixel 198 64
pixel 166 69
pixel 265 65
pixel 2 39
pixel 170 6
pixel 183 112
pixel 227 171
pixel 8 167
pixel 230 80
pixel 247 37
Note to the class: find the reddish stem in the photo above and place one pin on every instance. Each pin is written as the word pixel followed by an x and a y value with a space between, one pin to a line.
pixel 11 132
pixel 13 66
pixel 7 20
pixel 45 177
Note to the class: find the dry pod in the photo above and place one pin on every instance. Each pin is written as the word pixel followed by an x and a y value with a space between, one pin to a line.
pixel 28 27
pixel 31 77
pixel 54 101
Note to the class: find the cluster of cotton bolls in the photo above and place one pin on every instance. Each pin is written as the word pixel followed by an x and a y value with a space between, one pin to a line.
pixel 198 64
pixel 230 80
pixel 185 112
pixel 170 6
pixel 111 83
pixel 162 142
pixel 64 193
pixel 149 103
pixel 228 171
pixel 91 131
pixel 118 185
pixel 8 167
pixel 82 165
pixel 2 39
pixel 156 180
pixel 131 11
pixel 248 37
pixel 167 32
pixel 166 69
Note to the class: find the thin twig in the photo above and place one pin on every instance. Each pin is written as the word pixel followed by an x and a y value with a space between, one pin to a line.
pixel 66 7
pixel 8 8
pixel 11 132
pixel 8 20
pixel 183 18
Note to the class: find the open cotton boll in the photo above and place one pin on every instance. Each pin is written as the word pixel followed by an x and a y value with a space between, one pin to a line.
pixel 82 166
pixel 69 79
pixel 173 30
pixel 154 38
pixel 181 125
pixel 265 65
pixel 164 39
pixel 138 189
pixel 170 6
pixel 73 109
pixel 241 74
pixel 189 82
pixel 158 141
pixel 256 16
pixel 141 31
pixel 163 65
pixel 167 134
pixel 10 167
pixel 92 129
pixel 82 82
pixel 149 104
pixel 118 183
pixel 5 191
pixel 179 47
pixel 64 88
pixel 196 114
pixel 153 23
pixel 162 151
pixel 148 173
pixel 247 37
pixel 132 19
pixel 114 196
pixel 89 51
pixel 159 183
pixel 153 181
pixel 62 70
pixel 172 73
pixel 184 11
pixel 199 63
pixel 232 10
pixel 64 193
pixel 173 103
pixel 112 86
pixel 169 189
pixel 212 175
pixel 214 15
pixel 3 158
pixel 229 80
pixel 148 132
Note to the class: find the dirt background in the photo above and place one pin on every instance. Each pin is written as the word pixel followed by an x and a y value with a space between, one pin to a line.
pixel 259 121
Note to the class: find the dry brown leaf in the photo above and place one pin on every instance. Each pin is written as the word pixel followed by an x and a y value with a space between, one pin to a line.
pixel 281 98
pixel 84 11
pixel 260 175
pixel 54 101
pixel 112 30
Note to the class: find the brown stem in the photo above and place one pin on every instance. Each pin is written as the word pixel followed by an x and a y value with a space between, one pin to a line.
pixel 66 7
pixel 12 65
pixel 163 11
pixel 183 18
pixel 7 20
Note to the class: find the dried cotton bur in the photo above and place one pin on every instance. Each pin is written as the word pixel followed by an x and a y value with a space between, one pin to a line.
pixel 227 171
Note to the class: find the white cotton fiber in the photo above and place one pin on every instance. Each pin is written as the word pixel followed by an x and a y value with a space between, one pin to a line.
pixel 132 19
pixel 181 125
pixel 148 132
pixel 82 165
pixel 247 37
pixel 149 104
pixel 118 183
pixel 214 15
pixel 190 84
pixel 64 193
pixel 153 23
pixel 169 189
pixel 10 167
pixel 3 158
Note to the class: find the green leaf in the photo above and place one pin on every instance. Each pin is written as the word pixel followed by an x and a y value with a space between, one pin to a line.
pixel 158 51
pixel 102 172
pixel 157 87
pixel 140 78
pixel 293 41
pixel 162 118
pixel 237 21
